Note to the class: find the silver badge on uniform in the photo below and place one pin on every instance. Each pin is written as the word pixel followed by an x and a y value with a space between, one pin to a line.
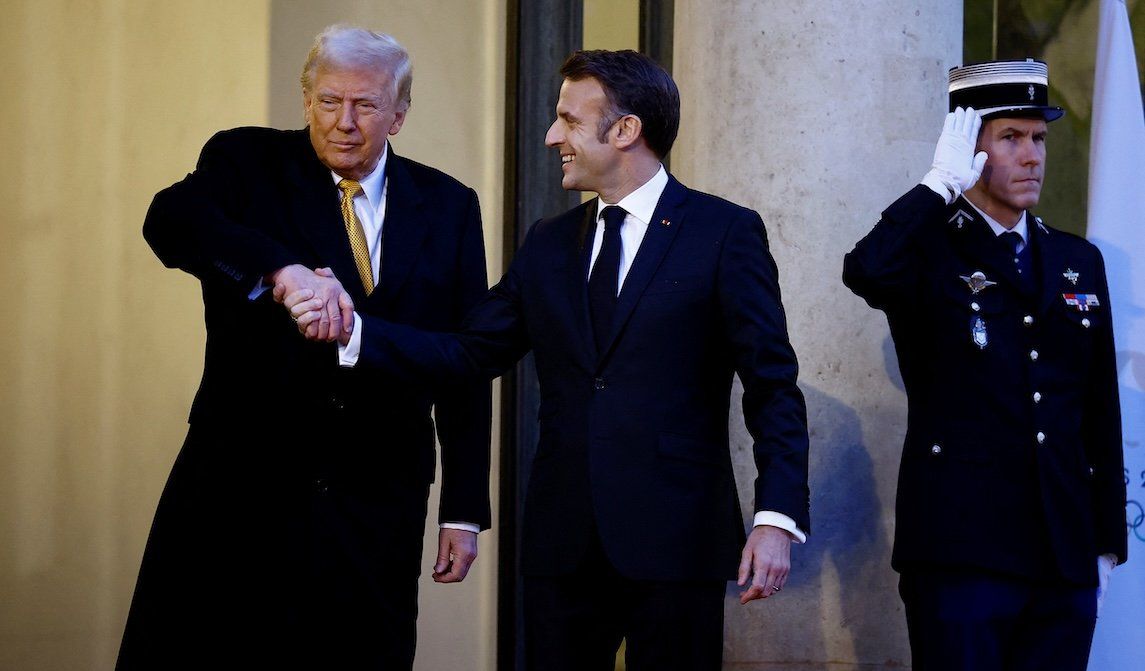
pixel 977 281
pixel 978 332
pixel 1071 275
pixel 960 217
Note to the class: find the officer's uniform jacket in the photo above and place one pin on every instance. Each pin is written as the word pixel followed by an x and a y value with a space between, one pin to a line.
pixel 1012 460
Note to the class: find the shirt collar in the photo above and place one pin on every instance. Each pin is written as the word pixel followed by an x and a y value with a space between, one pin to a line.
pixel 1020 228
pixel 372 183
pixel 641 203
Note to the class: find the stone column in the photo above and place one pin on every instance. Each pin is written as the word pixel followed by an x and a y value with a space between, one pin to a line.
pixel 818 115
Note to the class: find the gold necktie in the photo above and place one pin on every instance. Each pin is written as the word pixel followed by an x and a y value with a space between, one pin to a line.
pixel 358 245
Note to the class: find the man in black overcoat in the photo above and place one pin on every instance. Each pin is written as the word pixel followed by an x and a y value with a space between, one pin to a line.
pixel 1011 503
pixel 289 534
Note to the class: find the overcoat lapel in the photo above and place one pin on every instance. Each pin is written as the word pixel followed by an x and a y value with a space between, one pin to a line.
pixel 662 230
pixel 404 229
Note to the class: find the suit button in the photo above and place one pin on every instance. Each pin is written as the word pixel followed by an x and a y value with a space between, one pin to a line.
pixel 1028 320
pixel 1085 322
pixel 1033 355
pixel 937 449
pixel 598 384
pixel 337 403
pixel 1041 437
pixel 1037 397
pixel 321 485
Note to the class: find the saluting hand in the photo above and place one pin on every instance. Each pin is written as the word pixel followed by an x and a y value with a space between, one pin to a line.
pixel 956 167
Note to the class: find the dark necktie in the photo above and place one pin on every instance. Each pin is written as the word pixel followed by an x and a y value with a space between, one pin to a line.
pixel 602 281
pixel 1021 259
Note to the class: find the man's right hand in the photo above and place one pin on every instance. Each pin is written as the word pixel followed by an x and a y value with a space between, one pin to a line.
pixel 335 320
pixel 956 167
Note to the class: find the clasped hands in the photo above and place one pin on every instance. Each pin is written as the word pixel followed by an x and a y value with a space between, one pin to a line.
pixel 317 302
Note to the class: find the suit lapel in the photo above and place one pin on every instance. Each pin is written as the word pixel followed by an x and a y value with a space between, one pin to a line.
pixel 577 268
pixel 404 229
pixel 316 199
pixel 662 230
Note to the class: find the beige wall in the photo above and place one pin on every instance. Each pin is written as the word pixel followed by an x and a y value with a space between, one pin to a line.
pixel 110 102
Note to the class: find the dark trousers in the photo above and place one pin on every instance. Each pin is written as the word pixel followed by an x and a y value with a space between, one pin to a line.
pixel 973 621
pixel 576 622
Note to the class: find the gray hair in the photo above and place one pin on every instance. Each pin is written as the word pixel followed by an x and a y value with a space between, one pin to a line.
pixel 345 45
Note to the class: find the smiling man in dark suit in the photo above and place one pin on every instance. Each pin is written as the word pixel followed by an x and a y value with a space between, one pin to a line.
pixel 290 531
pixel 639 307
pixel 1011 504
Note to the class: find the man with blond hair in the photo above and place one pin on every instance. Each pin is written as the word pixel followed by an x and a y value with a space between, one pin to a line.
pixel 290 531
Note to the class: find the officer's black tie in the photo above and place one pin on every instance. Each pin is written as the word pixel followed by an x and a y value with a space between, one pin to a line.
pixel 602 281
pixel 1022 259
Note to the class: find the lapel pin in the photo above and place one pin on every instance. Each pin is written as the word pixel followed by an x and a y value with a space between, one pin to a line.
pixel 977 281
pixel 1071 275
pixel 665 222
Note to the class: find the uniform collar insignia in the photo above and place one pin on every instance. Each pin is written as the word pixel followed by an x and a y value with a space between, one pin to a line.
pixel 960 217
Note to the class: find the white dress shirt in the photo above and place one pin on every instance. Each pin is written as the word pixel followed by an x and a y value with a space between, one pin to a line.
pixel 1021 228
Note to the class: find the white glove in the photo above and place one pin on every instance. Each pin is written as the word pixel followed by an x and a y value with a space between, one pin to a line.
pixel 956 167
pixel 1104 569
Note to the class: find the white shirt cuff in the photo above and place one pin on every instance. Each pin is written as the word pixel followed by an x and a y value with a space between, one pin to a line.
pixel 773 519
pixel 463 526
pixel 348 353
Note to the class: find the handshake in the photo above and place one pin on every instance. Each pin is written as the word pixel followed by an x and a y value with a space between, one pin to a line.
pixel 317 301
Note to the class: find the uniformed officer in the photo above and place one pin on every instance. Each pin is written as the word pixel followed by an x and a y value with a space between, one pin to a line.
pixel 1010 508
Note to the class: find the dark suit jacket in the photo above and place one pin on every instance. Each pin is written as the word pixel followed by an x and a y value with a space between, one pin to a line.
pixel 976 486
pixel 276 422
pixel 634 439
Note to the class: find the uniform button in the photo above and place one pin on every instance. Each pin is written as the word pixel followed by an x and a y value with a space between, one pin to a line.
pixel 1037 397
pixel 1028 320
pixel 1033 355
pixel 1085 322
pixel 1041 437
pixel 1091 471
pixel 937 449
pixel 321 486
pixel 336 403
pixel 975 307
pixel 598 383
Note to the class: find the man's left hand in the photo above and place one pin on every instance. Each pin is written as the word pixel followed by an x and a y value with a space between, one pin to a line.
pixel 766 560
pixel 456 552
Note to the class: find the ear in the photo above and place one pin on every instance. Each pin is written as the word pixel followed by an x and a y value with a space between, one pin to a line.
pixel 627 131
pixel 399 119
pixel 306 107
